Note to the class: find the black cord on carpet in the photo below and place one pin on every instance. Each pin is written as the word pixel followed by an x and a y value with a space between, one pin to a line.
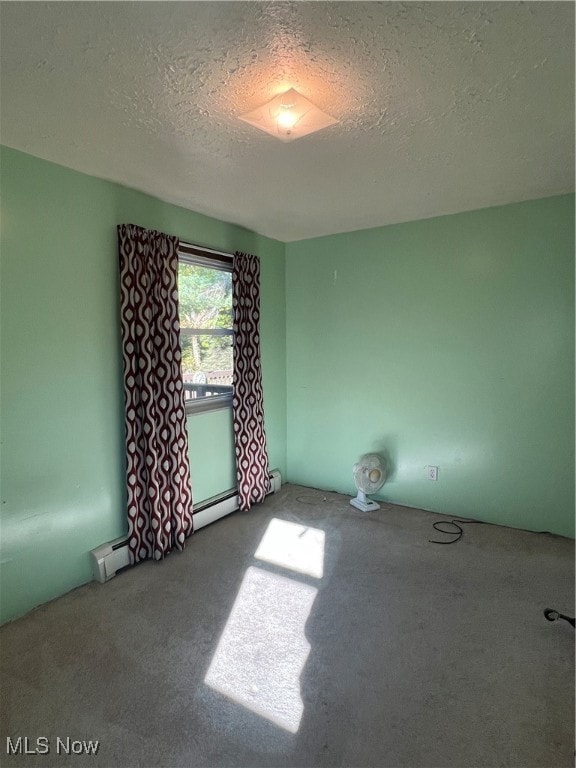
pixel 458 533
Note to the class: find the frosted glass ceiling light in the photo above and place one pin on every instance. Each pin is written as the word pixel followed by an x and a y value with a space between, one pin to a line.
pixel 288 116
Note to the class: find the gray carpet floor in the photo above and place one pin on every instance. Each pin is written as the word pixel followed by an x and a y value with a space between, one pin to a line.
pixel 306 633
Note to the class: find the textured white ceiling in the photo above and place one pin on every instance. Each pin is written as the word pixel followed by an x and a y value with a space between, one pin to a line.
pixel 443 107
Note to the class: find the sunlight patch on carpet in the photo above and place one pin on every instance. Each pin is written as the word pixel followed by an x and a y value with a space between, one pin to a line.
pixel 263 648
pixel 290 545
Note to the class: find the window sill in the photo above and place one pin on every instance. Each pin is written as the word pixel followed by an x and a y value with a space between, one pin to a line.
pixel 203 404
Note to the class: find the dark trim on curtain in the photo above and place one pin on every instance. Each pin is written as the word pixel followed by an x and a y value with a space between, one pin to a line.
pixel 157 468
pixel 248 400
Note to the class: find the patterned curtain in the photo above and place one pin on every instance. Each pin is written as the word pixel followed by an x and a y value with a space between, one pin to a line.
pixel 157 469
pixel 248 402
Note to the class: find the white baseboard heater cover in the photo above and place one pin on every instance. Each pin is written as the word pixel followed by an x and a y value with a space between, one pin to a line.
pixel 114 555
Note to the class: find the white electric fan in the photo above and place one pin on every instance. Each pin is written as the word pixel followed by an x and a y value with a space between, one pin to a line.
pixel 369 476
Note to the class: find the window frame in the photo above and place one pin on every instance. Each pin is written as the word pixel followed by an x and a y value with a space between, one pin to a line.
pixel 206 257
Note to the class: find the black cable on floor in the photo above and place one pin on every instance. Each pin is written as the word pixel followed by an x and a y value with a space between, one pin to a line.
pixel 458 532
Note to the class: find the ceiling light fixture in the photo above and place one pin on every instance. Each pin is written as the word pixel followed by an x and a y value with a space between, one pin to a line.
pixel 288 116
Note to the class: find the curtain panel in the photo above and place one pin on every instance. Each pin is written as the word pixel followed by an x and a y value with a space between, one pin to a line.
pixel 248 400
pixel 157 468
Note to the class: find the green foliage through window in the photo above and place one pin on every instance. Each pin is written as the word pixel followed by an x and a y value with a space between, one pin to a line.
pixel 205 306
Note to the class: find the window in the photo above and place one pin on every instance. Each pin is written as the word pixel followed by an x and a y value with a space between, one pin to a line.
pixel 205 306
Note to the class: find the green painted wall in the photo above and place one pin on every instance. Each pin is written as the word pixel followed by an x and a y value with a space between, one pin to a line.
pixel 61 418
pixel 449 342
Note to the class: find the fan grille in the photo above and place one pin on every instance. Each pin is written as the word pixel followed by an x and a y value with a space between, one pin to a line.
pixel 369 473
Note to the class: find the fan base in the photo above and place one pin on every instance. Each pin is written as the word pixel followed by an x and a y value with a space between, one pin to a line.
pixel 364 506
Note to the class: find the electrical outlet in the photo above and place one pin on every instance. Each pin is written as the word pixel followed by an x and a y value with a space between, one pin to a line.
pixel 432 473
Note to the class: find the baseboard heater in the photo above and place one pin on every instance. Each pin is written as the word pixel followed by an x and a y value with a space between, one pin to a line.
pixel 111 557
